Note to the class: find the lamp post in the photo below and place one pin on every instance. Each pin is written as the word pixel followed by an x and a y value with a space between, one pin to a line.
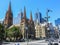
pixel 48 29
pixel 47 17
pixel 26 29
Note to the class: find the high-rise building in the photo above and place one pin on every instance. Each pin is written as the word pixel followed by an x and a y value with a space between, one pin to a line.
pixel 16 20
pixel 38 17
pixel 57 22
pixel 19 17
pixel 9 17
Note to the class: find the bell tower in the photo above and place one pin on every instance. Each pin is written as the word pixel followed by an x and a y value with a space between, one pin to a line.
pixel 9 17
pixel 31 27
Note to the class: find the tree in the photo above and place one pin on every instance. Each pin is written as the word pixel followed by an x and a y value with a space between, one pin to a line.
pixel 13 32
pixel 1 31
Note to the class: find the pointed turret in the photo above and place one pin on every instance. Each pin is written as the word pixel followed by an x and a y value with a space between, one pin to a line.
pixel 9 8
pixel 9 17
pixel 24 13
pixel 31 16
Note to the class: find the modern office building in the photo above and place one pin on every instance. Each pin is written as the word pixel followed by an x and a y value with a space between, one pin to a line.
pixel 57 22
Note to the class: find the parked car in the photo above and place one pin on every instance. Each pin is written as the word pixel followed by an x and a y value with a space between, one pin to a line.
pixel 55 43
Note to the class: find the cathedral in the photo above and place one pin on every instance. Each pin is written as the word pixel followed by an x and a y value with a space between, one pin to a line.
pixel 8 21
pixel 27 26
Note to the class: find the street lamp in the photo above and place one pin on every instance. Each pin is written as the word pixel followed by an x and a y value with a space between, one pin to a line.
pixel 26 29
pixel 47 17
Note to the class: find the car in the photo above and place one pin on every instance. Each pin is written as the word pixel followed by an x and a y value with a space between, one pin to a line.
pixel 55 43
pixel 59 41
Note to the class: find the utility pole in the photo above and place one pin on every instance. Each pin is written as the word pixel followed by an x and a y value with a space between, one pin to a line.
pixel 47 17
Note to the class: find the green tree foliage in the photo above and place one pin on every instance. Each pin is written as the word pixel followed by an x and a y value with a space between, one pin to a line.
pixel 1 31
pixel 14 33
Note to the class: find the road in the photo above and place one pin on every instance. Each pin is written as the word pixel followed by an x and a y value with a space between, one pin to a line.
pixel 39 42
pixel 26 44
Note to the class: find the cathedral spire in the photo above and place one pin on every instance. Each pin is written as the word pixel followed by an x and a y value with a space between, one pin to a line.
pixel 9 8
pixel 31 16
pixel 24 12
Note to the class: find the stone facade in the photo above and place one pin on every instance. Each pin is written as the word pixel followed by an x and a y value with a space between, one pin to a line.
pixel 40 31
pixel 56 32
pixel 27 26
pixel 9 17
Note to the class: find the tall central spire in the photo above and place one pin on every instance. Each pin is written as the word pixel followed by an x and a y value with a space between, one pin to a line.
pixel 24 12
pixel 9 17
pixel 9 8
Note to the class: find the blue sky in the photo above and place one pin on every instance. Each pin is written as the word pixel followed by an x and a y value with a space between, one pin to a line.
pixel 31 5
